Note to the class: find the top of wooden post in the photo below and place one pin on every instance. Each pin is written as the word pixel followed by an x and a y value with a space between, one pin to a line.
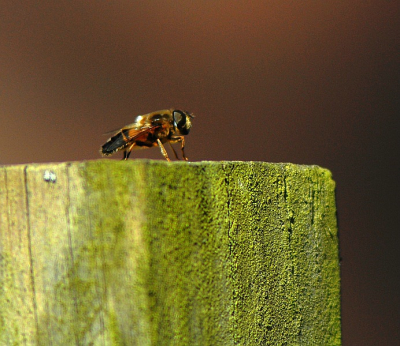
pixel 155 253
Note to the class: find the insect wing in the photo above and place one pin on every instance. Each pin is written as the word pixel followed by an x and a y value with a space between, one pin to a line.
pixel 133 134
pixel 124 138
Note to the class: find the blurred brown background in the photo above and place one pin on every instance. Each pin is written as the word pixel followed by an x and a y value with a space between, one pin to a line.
pixel 308 82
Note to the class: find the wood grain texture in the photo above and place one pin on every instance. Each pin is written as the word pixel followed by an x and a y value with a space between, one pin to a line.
pixel 157 253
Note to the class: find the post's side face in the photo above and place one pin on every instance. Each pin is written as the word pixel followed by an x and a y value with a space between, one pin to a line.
pixel 156 253
pixel 284 254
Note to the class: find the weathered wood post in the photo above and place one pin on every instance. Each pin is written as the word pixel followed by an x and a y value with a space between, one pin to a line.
pixel 155 253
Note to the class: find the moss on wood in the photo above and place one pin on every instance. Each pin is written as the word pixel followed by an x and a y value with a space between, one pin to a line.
pixel 156 253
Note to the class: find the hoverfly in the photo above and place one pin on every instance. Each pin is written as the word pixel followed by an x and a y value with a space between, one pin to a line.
pixel 151 130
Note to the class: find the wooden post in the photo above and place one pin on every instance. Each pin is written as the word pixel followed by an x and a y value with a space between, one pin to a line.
pixel 155 253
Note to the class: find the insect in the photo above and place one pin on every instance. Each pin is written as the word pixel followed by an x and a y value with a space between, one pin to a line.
pixel 151 130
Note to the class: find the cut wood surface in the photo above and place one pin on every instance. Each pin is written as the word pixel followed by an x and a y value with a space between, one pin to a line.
pixel 155 253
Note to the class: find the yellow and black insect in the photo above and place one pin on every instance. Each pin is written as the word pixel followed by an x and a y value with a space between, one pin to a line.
pixel 151 130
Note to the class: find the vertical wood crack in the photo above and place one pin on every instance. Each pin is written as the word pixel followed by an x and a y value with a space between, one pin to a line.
pixel 73 271
pixel 32 276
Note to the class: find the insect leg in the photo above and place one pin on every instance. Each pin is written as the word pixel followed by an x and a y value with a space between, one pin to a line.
pixel 128 152
pixel 182 140
pixel 176 155
pixel 183 147
pixel 163 151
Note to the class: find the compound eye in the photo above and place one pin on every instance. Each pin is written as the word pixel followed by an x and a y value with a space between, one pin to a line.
pixel 179 119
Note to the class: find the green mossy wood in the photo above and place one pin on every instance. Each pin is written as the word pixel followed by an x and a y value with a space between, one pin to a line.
pixel 155 253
